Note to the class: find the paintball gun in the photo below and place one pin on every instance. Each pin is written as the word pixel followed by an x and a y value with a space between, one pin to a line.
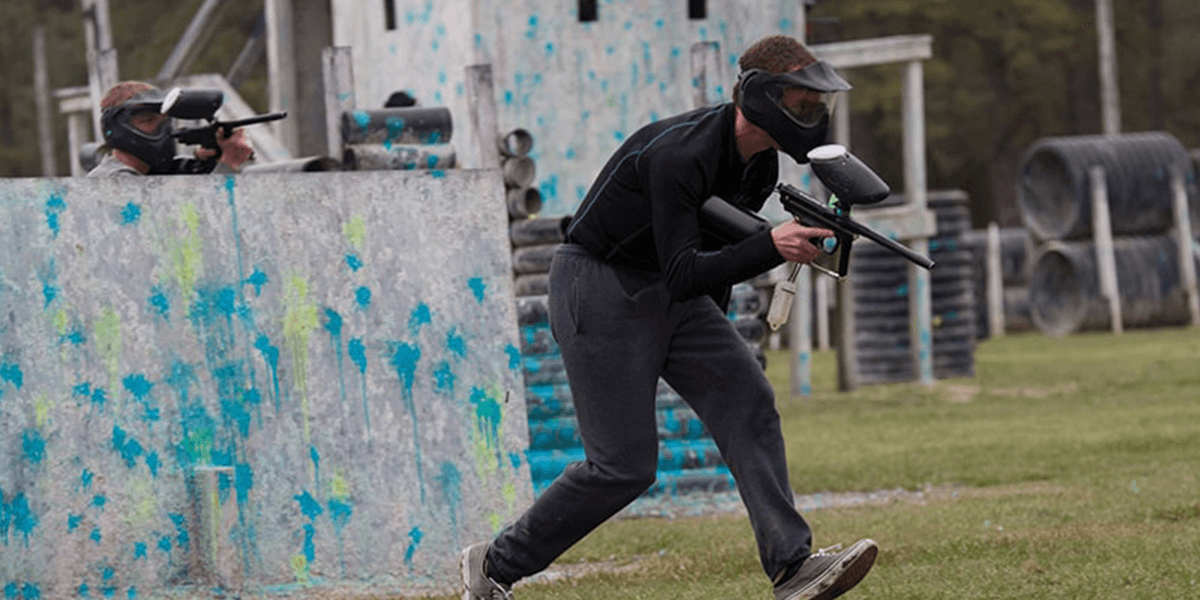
pixel 203 105
pixel 850 182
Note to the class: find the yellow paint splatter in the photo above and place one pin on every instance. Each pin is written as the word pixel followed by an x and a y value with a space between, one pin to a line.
pixel 356 232
pixel 339 488
pixel 41 410
pixel 141 489
pixel 497 521
pixel 60 321
pixel 187 257
pixel 300 568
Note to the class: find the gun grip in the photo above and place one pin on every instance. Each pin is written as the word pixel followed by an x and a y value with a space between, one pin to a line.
pixel 844 243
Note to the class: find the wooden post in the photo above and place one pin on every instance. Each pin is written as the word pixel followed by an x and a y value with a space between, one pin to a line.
pixel 281 70
pixel 41 92
pixel 338 72
pixel 1110 95
pixel 76 137
pixel 920 291
pixel 995 282
pixel 801 334
pixel 1106 263
pixel 1183 237
pixel 481 106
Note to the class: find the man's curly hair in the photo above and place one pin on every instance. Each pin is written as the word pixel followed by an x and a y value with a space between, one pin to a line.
pixel 774 54
pixel 122 92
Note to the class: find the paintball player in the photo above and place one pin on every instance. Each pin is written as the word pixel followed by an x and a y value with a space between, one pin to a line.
pixel 138 135
pixel 636 293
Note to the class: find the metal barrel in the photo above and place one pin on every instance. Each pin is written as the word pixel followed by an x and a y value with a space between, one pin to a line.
pixel 523 202
pixel 407 125
pixel 1064 289
pixel 518 171
pixel 538 230
pixel 517 142
pixel 381 157
pixel 1054 189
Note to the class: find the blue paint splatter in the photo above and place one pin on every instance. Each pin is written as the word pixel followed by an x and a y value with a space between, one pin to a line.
pixel 54 207
pixel 455 343
pixel 333 324
pixel 83 590
pixel 86 479
pixel 95 536
pixel 362 296
pixel 450 482
pixel 478 287
pixel 138 385
pixel 404 359
pixel 363 120
pixel 487 419
pixel 257 279
pixel 73 522
pixel 420 316
pixel 353 262
pixel 181 530
pixel 444 379
pixel 309 506
pixel 130 214
pixel 414 539
pixel 164 543
pixel 514 357
pixel 34 446
pixel 271 355
pixel 128 447
pixel 31 591
pixel 160 304
pixel 358 354
pixel 11 372
pixel 99 501
pixel 99 397
pixel 316 461
pixel 139 550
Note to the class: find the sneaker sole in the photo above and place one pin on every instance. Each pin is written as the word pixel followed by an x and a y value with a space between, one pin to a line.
pixel 852 572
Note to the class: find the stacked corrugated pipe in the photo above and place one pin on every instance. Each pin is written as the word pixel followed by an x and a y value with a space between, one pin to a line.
pixel 1055 198
pixel 882 311
pixel 404 138
pixel 1016 250
pixel 688 460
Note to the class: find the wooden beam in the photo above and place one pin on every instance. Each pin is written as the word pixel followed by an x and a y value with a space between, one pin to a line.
pixel 41 93
pixel 193 39
pixel 878 51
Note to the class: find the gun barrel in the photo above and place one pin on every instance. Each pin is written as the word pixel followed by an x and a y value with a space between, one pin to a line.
pixel 275 116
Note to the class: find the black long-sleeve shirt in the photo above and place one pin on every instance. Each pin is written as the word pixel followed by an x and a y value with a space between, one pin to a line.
pixel 643 209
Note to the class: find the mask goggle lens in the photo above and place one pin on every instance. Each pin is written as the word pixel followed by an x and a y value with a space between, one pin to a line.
pixel 808 107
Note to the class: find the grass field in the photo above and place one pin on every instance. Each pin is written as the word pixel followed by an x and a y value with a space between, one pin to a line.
pixel 1066 468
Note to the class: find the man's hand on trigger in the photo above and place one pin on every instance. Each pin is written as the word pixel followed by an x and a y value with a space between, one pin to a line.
pixel 235 149
pixel 795 241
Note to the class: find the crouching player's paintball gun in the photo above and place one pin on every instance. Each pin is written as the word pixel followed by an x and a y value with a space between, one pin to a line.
pixel 203 105
pixel 850 182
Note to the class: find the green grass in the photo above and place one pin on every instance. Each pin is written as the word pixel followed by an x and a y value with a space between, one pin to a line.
pixel 1066 468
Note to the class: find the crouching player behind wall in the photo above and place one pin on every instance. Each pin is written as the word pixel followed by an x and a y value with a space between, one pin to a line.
pixel 138 137
pixel 636 293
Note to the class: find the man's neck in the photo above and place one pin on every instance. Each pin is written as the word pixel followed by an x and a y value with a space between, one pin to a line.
pixel 750 138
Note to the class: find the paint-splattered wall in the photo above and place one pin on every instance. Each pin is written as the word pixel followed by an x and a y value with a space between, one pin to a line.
pixel 262 382
pixel 580 87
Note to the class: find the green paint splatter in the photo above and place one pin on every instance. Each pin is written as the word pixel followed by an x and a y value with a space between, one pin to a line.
pixel 299 322
pixel 300 568
pixel 41 410
pixel 60 322
pixel 356 232
pixel 108 343
pixel 187 257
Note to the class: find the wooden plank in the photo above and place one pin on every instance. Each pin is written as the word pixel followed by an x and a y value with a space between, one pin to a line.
pixel 877 51
pixel 995 282
pixel 915 192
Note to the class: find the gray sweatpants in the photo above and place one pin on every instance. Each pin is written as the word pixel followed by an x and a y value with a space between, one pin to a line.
pixel 619 331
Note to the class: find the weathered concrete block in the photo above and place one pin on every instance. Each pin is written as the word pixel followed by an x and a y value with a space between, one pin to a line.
pixel 267 383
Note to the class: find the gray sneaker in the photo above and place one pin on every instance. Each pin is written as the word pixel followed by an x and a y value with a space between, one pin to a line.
pixel 476 584
pixel 829 573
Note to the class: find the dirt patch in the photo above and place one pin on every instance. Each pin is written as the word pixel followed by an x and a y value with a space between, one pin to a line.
pixel 960 393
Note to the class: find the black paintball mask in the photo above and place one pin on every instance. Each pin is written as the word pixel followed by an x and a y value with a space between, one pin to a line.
pixel 796 130
pixel 156 148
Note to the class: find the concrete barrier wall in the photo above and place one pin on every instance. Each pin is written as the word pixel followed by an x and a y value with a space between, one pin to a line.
pixel 300 383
